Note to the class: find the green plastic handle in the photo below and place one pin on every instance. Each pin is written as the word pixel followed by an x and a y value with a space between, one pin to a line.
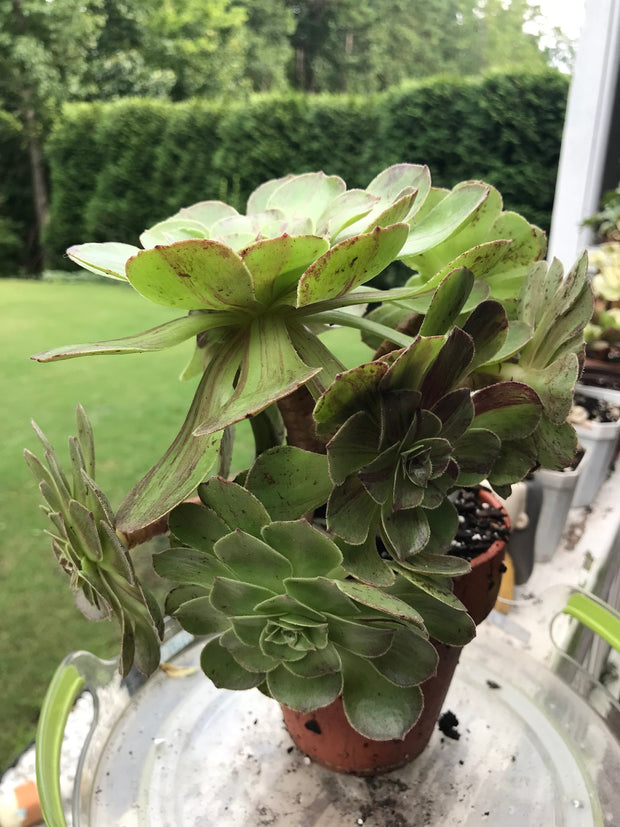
pixel 63 690
pixel 597 616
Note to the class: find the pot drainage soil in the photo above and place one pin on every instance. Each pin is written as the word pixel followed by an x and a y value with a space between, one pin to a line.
pixel 480 525
pixel 598 410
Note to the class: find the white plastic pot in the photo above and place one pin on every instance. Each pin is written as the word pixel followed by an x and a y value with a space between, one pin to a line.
pixel 558 493
pixel 601 438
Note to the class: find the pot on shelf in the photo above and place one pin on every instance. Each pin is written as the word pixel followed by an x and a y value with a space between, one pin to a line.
pixel 325 734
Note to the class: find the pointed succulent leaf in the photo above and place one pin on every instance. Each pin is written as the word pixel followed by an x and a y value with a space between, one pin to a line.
pixel 475 452
pixel 172 479
pixel 446 218
pixel 436 564
pixel 270 369
pixel 374 706
pixel 249 657
pixel 396 212
pixel 226 673
pixel 363 562
pixel 196 275
pixel 406 532
pixel 234 505
pixel 448 369
pixel 555 445
pixel 253 561
pixel 83 524
pixel 207 212
pixel 350 511
pixel 412 364
pixel 447 302
pixel 300 693
pixel 455 412
pixel 510 409
pixel 350 264
pixel 389 183
pixel 196 526
pixel 344 210
pixel 106 259
pixel 356 444
pixel 309 552
pixel 488 327
pixel 157 338
pixel 289 481
pixel 354 390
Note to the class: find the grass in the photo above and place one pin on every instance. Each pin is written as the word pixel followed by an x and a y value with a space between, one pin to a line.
pixel 136 405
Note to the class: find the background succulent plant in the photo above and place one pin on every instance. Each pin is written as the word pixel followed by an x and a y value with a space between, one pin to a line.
pixel 89 549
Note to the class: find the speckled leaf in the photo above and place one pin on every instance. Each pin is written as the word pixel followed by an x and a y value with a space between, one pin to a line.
pixel 407 532
pixel 364 563
pixel 306 195
pixel 475 452
pixel 349 264
pixel 511 410
pixel 233 598
pixel 353 390
pixel 195 275
pixel 350 511
pixel 277 263
pixel 188 565
pixel 234 505
pixel 198 617
pixel 378 599
pixel 316 663
pixel 289 481
pixel 355 444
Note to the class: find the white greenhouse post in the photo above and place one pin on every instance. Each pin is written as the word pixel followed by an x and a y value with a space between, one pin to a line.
pixel 586 129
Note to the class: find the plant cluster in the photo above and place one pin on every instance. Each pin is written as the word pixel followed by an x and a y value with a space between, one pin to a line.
pixel 475 360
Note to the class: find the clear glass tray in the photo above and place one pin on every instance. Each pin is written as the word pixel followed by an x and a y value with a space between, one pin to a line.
pixel 176 752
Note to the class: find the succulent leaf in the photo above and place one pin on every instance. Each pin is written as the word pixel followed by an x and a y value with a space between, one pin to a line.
pixel 89 550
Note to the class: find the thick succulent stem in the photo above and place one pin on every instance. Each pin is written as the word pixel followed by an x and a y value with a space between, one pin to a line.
pixel 296 410
pixel 410 326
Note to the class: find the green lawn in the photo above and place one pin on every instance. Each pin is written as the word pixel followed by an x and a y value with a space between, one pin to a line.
pixel 136 405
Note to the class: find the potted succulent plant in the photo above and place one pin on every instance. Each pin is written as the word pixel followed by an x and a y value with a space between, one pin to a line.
pixel 469 377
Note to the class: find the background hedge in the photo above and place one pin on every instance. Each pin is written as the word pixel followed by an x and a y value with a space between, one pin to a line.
pixel 18 235
pixel 116 168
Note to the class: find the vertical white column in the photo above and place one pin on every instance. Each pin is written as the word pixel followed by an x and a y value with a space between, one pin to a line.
pixel 586 129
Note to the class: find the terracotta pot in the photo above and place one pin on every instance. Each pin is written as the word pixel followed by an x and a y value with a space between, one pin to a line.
pixel 326 736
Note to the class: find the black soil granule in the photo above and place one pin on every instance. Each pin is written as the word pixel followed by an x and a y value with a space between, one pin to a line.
pixel 480 525
pixel 448 723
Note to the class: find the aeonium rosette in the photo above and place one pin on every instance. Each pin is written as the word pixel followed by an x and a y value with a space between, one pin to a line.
pixel 287 618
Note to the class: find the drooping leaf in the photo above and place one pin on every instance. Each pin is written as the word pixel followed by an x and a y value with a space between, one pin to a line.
pixel 277 263
pixel 409 661
pixel 303 694
pixel 219 665
pixel 374 706
pixel 157 338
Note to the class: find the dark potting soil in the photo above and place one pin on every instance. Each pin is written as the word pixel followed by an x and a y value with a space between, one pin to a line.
pixel 448 723
pixel 599 410
pixel 480 525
